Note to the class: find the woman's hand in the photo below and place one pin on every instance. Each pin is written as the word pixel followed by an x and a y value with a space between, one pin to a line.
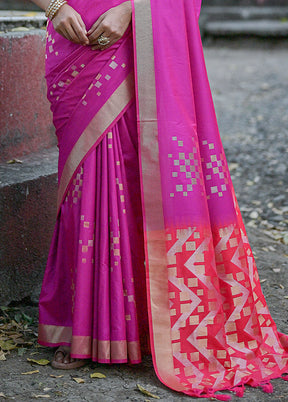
pixel 111 25
pixel 68 23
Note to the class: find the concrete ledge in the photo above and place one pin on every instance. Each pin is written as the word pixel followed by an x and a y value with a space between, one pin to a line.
pixel 25 117
pixel 27 218
pixel 31 167
pixel 13 19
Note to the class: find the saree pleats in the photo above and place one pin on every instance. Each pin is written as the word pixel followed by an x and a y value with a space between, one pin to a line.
pixel 89 281
pixel 93 297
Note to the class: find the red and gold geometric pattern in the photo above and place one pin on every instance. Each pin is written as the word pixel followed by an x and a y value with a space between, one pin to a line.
pixel 221 328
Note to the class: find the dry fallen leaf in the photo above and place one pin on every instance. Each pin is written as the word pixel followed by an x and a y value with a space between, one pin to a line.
pixel 145 392
pixel 2 395
pixel 41 396
pixel 16 336
pixel 56 376
pixel 14 160
pixel 31 372
pixel 79 380
pixel 97 375
pixel 19 341
pixel 2 355
pixel 263 280
pixel 233 166
pixel 7 345
pixel 41 362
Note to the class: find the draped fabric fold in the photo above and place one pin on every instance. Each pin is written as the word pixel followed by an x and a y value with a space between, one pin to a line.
pixel 210 327
pixel 143 176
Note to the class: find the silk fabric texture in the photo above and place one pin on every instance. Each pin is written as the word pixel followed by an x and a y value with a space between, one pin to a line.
pixel 160 162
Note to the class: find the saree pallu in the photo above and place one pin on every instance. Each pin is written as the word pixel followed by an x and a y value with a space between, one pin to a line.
pixel 210 328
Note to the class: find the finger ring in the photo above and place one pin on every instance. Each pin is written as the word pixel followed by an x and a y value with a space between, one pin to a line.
pixel 103 40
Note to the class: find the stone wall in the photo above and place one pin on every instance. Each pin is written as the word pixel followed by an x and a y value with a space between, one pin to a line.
pixel 27 188
pixel 17 5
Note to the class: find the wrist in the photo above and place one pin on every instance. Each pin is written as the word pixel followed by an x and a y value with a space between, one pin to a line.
pixel 53 8
pixel 60 10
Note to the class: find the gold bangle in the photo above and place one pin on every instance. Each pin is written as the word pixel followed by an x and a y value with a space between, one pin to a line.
pixel 53 8
pixel 50 5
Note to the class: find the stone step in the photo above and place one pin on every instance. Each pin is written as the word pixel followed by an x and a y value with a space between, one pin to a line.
pixel 10 19
pixel 27 217
pixel 28 168
pixel 25 117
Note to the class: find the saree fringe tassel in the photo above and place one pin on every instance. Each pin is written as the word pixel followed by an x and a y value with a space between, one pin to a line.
pixel 149 251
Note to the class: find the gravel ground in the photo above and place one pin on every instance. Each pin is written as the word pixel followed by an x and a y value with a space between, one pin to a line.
pixel 250 90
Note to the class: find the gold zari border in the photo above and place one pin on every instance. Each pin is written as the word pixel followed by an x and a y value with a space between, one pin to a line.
pixel 86 346
pixel 98 125
pixel 157 286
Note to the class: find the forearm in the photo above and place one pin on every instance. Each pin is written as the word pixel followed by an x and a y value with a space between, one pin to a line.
pixel 41 3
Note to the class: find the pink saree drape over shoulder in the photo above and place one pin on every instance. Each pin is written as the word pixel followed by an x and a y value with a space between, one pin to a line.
pixel 143 176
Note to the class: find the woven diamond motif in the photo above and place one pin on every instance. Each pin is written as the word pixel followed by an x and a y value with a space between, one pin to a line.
pixel 186 172
pixel 214 165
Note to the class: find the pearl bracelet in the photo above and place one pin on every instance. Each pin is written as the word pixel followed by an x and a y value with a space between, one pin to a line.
pixel 53 8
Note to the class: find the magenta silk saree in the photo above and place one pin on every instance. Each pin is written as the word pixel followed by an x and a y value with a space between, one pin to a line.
pixel 143 177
